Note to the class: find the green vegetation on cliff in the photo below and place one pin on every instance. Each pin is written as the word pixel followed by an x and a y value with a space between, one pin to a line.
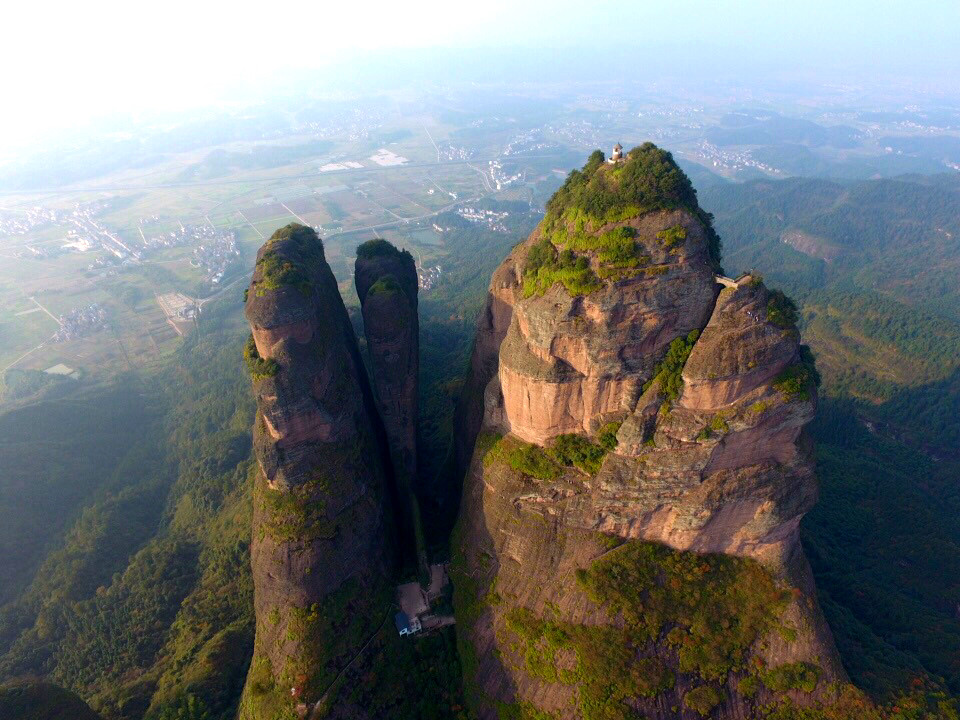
pixel 522 457
pixel 386 285
pixel 797 381
pixel 781 310
pixel 578 451
pixel 379 247
pixel 327 634
pixel 567 450
pixel 703 699
pixel 291 266
pixel 673 236
pixel 792 676
pixel 669 371
pixel 546 267
pixel 848 703
pixel 297 514
pixel 648 179
pixel 256 365
pixel 601 661
pixel 279 272
pixel 709 608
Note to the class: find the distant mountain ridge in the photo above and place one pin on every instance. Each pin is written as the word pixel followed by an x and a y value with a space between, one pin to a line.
pixel 875 266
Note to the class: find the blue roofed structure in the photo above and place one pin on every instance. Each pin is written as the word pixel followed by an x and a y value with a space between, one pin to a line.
pixel 406 625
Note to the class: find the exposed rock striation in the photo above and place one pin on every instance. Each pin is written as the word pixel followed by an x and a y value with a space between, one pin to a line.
pixel 569 363
pixel 321 564
pixel 628 540
pixel 386 281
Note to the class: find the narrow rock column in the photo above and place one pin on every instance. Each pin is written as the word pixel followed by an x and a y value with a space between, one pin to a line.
pixel 321 551
pixel 386 280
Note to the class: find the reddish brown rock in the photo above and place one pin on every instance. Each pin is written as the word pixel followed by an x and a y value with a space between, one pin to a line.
pixel 386 280
pixel 321 544
pixel 569 364
pixel 716 464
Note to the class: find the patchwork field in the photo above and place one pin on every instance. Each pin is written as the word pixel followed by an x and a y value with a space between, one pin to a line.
pixel 392 188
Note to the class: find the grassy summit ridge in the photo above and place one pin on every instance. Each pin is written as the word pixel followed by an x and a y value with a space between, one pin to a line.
pixel 379 247
pixel 289 255
pixel 647 180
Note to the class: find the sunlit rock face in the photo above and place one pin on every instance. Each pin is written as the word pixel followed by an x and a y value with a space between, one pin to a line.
pixel 569 363
pixel 689 401
pixel 321 564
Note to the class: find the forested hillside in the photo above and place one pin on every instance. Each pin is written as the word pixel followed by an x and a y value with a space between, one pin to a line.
pixel 125 508
pixel 873 267
pixel 140 590
pixel 128 576
pixel 70 445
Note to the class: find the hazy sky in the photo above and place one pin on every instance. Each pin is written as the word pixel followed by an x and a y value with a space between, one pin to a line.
pixel 67 61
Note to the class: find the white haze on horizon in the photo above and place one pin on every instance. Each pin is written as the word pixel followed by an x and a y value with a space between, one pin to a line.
pixel 66 63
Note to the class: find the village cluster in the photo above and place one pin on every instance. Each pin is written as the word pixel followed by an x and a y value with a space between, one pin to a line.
pixel 492 219
pixel 353 125
pixel 214 248
pixel 215 254
pixel 577 132
pixel 85 233
pixel 33 218
pixel 81 322
pixel 501 178
pixel 527 142
pixel 712 156
pixel 428 277
pixel 453 152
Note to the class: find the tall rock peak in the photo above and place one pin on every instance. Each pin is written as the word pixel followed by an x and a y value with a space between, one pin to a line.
pixel 322 567
pixel 632 430
pixel 386 280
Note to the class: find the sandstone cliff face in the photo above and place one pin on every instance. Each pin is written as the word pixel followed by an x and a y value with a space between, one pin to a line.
pixel 386 282
pixel 568 364
pixel 638 403
pixel 321 566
